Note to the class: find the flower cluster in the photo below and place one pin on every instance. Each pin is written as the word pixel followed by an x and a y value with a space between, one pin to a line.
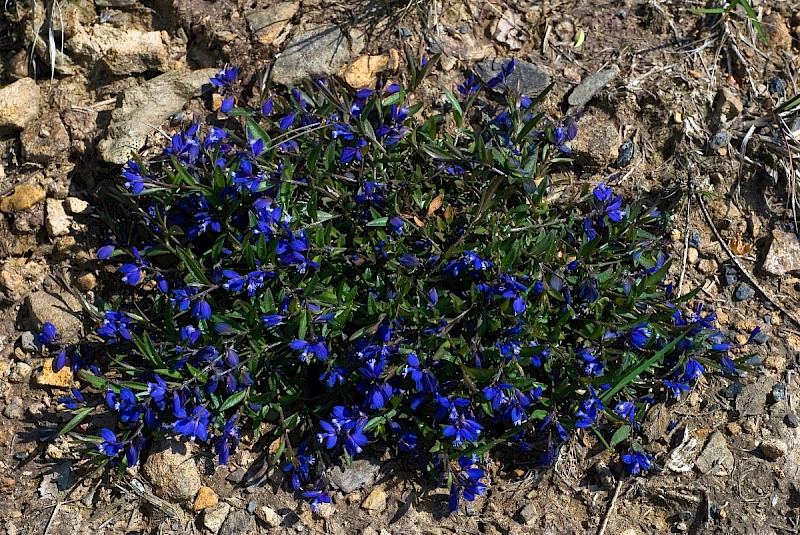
pixel 352 273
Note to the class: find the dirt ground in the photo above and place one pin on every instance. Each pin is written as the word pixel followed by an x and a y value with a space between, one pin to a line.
pixel 693 119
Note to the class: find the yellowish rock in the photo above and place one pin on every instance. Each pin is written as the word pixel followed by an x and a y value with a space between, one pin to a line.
pixel 376 501
pixel 363 71
pixel 206 497
pixel 25 196
pixel 50 377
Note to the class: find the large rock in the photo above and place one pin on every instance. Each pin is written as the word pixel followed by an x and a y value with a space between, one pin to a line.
pixel 268 21
pixel 317 52
pixel 784 254
pixel 590 85
pixel 25 196
pixel 123 52
pixel 359 474
pixel 19 105
pixel 141 109
pixel 527 78
pixel 598 140
pixel 170 467
pixel 45 139
pixel 62 310
pixel 57 221
pixel 716 458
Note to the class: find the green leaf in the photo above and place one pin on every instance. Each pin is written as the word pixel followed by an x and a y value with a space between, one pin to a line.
pixel 235 399
pixel 379 222
pixel 620 434
pixel 76 420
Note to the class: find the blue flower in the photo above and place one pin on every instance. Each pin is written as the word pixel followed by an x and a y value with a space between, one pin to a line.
pixel 110 446
pixel 469 86
pixel 594 364
pixel 135 177
pixel 692 370
pixel 48 336
pixel 271 320
pixel 462 429
pixel 329 436
pixel 466 482
pixel 626 410
pixel 115 326
pixel 676 388
pixel 195 425
pixel 640 335
pixel 228 440
pixel 201 310
pixel 315 498
pixel 637 462
pixel 105 252
pixel 505 71
pixel 225 77
pixel 315 348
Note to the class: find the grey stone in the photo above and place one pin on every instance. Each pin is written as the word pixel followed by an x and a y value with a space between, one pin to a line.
pixel 62 310
pixel 316 52
pixel 20 372
pixel 117 4
pixel 213 517
pixel 45 139
pixel 743 292
pixel 783 255
pixel 598 140
pixel 15 409
pixel 733 390
pixel 527 78
pixel 719 140
pixel 779 392
pixel 773 448
pixel 20 103
pixel 777 87
pixel 626 152
pixel 267 21
pixel 590 85
pixel 726 106
pixel 28 342
pixel 269 516
pixel 170 466
pixel 57 222
pixel 528 513
pixel 716 458
pixel 238 523
pixel 361 473
pixel 753 399
pixel 141 109
pixel 730 274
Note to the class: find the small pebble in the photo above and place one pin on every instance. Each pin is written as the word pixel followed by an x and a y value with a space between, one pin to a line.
pixel 743 292
pixel 761 338
pixel 694 239
pixel 405 32
pixel 777 87
pixel 792 420
pixel 251 507
pixel 733 390
pixel 779 392
pixel 730 275
pixel 773 448
pixel 625 154
pixel 719 140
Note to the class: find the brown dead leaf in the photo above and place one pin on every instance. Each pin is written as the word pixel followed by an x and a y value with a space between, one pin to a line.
pixel 436 203
pixel 739 246
pixel 418 222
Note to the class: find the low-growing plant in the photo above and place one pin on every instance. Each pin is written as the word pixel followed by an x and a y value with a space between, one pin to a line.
pixel 336 269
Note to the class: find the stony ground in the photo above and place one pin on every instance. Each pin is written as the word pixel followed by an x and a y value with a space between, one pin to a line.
pixel 678 106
